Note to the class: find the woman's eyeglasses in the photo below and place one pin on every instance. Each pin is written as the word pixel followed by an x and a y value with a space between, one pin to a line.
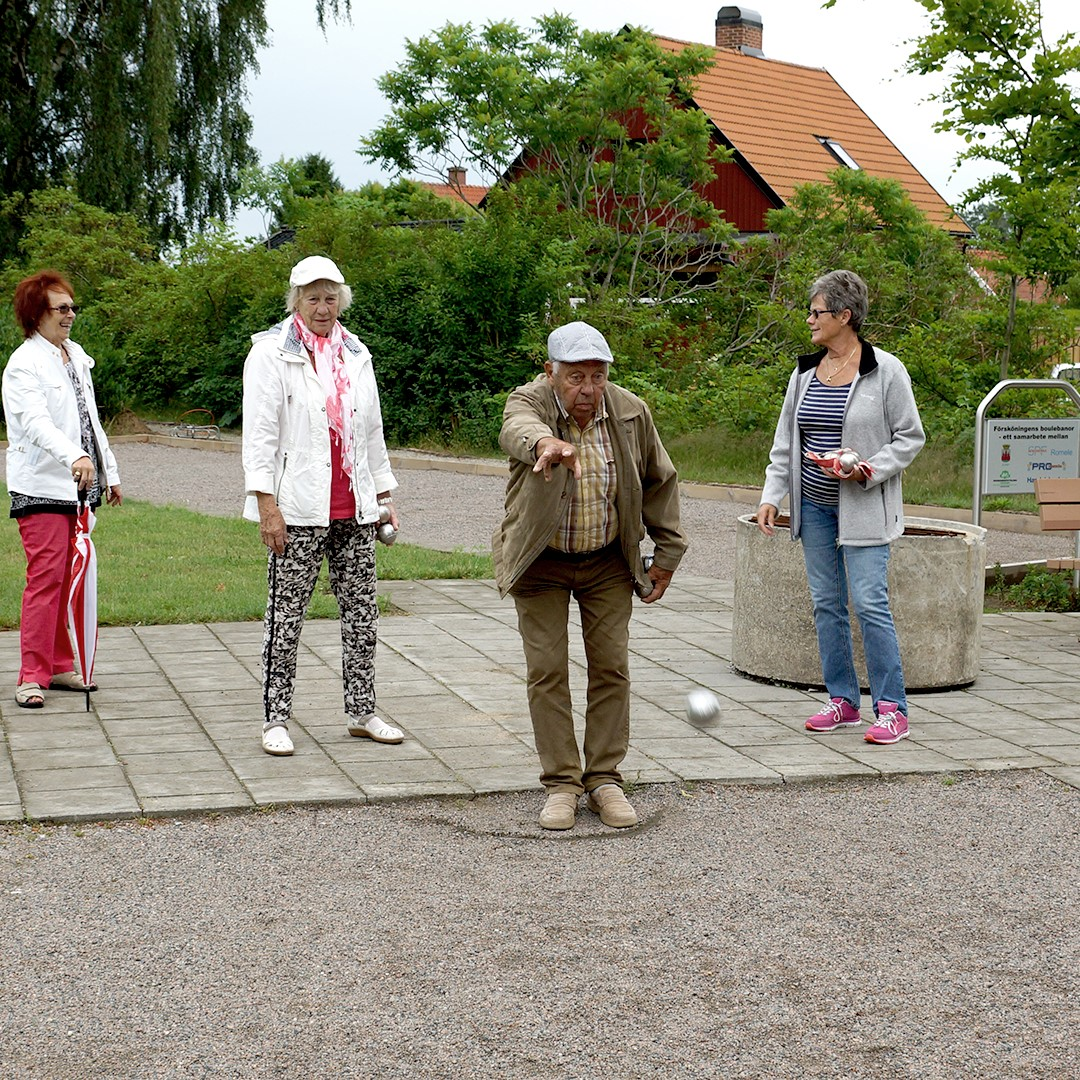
pixel 816 313
pixel 65 309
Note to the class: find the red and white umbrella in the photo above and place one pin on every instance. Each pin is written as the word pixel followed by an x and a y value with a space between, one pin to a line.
pixel 82 594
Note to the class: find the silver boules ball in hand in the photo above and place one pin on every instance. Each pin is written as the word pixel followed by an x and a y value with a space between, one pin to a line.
pixel 849 460
pixel 385 533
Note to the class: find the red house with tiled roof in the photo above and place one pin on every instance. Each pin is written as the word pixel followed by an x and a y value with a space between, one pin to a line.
pixel 789 125
pixel 785 123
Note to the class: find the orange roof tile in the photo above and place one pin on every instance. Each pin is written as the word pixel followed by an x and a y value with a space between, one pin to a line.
pixel 470 194
pixel 772 111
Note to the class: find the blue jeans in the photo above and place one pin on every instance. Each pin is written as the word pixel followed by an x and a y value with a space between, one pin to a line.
pixel 833 570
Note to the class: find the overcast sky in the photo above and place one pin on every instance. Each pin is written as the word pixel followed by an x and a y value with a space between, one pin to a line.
pixel 317 94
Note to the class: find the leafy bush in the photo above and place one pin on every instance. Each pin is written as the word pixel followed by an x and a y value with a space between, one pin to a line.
pixel 1038 590
pixel 457 317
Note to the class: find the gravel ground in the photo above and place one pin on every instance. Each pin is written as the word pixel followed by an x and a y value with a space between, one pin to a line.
pixel 914 928
pixel 920 927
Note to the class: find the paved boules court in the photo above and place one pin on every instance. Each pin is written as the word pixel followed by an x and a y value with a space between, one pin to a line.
pixel 174 728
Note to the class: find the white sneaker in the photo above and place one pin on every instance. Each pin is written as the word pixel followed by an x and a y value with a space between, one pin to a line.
pixel 276 741
pixel 374 728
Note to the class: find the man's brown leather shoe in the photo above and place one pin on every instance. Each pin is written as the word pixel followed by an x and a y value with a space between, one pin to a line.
pixel 559 811
pixel 611 804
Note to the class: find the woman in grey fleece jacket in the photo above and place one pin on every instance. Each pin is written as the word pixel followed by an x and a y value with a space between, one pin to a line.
pixel 848 395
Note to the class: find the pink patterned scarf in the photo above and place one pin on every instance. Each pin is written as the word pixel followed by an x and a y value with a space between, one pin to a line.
pixel 329 353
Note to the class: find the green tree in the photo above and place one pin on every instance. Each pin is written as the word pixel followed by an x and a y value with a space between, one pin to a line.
pixel 914 270
pixel 139 102
pixel 917 277
pixel 597 123
pixel 1013 97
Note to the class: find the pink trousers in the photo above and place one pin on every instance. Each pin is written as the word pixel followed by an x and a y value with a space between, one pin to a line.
pixel 43 633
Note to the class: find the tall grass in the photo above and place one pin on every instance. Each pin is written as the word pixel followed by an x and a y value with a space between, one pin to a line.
pixel 166 565
pixel 942 474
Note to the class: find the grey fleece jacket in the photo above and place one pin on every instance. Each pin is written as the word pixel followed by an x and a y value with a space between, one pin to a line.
pixel 881 424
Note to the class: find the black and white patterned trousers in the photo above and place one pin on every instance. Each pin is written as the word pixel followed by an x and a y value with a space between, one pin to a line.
pixel 349 548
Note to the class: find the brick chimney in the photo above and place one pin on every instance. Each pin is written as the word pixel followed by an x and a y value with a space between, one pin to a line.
pixel 455 176
pixel 739 28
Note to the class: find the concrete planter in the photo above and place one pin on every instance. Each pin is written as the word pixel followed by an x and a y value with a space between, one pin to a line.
pixel 936 577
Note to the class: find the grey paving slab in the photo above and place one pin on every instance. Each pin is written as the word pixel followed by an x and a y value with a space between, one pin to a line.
pixel 201 803
pixel 1066 755
pixel 407 772
pixel 907 759
pixel 156 743
pixel 145 727
pixel 94 754
pixel 132 710
pixel 730 772
pixel 1021 759
pixel 136 765
pixel 193 784
pixel 48 739
pixel 1066 774
pixel 425 790
pixel 279 790
pixel 797 772
pixel 75 804
pixel 175 727
pixel 974 749
pixel 60 778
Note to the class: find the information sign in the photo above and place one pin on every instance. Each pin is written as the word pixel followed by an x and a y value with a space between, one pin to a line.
pixel 1019 452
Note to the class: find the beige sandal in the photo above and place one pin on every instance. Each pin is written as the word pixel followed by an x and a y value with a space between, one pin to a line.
pixel 29 695
pixel 70 680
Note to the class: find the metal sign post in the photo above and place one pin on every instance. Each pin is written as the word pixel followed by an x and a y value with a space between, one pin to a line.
pixel 1024 450
pixel 1018 452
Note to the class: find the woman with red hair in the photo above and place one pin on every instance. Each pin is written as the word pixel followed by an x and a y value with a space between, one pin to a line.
pixel 55 442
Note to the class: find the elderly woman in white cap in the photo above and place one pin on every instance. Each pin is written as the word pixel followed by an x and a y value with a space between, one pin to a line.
pixel 317 476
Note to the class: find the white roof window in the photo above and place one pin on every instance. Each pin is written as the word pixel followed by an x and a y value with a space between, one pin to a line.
pixel 838 151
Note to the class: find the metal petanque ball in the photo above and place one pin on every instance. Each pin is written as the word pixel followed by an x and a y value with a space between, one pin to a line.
pixel 384 513
pixel 386 534
pixel 702 706
pixel 848 461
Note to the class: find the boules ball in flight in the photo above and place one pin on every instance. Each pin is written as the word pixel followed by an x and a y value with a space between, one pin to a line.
pixel 702 706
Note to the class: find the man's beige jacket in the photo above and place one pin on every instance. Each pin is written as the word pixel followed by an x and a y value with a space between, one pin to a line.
pixel 647 496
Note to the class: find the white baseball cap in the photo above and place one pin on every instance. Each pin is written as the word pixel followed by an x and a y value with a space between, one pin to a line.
pixel 577 342
pixel 315 268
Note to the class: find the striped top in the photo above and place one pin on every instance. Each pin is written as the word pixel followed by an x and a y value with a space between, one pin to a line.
pixel 821 424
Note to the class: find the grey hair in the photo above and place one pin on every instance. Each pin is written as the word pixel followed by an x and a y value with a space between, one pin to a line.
pixel 344 294
pixel 842 289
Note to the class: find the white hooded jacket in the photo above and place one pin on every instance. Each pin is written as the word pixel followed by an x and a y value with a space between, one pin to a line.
pixel 287 434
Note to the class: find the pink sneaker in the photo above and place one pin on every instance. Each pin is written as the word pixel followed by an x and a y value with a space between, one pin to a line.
pixel 890 727
pixel 836 713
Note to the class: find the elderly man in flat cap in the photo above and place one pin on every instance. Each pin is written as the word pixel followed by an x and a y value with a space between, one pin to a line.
pixel 588 479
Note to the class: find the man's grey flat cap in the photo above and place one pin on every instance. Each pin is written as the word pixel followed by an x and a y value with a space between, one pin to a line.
pixel 576 342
